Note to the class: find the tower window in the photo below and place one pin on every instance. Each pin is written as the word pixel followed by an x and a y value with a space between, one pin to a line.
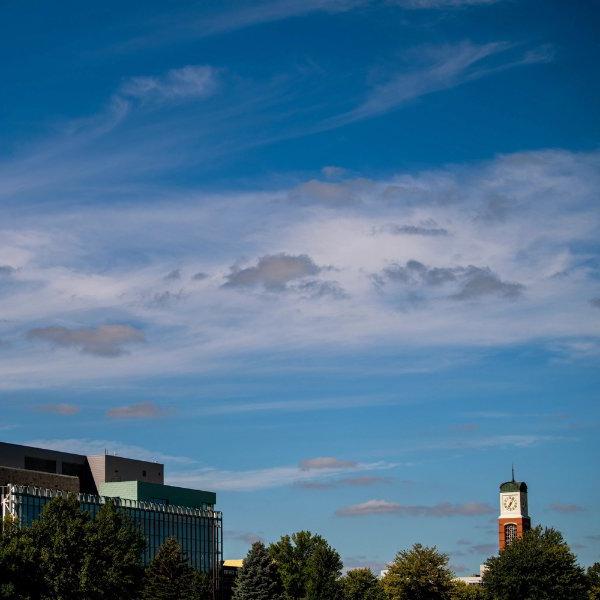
pixel 144 473
pixel 510 533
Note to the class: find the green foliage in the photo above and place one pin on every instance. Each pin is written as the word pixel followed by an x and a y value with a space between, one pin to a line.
pixel 112 567
pixel 170 577
pixel 361 584
pixel 259 578
pixel 309 567
pixel 20 575
pixel 463 591
pixel 420 573
pixel 60 536
pixel 593 579
pixel 539 566
pixel 65 555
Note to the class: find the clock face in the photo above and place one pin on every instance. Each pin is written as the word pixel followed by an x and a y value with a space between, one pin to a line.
pixel 509 502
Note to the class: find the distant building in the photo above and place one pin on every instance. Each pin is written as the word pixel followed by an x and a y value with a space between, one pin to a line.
pixel 229 573
pixel 31 477
pixel 513 521
pixel 473 579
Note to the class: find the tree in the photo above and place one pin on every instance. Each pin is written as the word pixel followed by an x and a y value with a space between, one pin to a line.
pixel 310 568
pixel 20 575
pixel 361 584
pixel 112 568
pixel 170 577
pixel 420 573
pixel 60 537
pixel 259 578
pixel 593 577
pixel 539 566
pixel 463 591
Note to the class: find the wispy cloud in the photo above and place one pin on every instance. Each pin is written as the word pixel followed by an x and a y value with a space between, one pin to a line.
pixel 360 481
pixel 295 405
pixel 442 68
pixel 565 508
pixel 176 85
pixel 270 477
pixel 6 270
pixel 444 509
pixel 104 340
pixel 143 410
pixel 59 409
pixel 246 537
pixel 195 26
pixel 326 462
pixel 437 4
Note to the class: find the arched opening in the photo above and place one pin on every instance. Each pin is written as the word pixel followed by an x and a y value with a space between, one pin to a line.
pixel 510 533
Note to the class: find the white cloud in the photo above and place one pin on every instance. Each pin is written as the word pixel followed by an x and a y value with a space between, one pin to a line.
pixel 185 83
pixel 516 220
pixel 439 68
pixel 270 477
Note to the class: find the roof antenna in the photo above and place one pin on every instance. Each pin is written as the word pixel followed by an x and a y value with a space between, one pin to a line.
pixel 513 472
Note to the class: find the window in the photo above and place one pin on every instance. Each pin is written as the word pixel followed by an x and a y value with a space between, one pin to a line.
pixel 40 464
pixel 144 473
pixel 72 469
pixel 510 533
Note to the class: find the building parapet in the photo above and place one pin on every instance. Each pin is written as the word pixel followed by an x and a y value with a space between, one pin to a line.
pixel 9 490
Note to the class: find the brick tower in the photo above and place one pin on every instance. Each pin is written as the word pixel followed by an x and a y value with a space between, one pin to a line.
pixel 514 517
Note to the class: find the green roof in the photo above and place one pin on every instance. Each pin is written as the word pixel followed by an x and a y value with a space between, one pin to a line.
pixel 160 494
pixel 513 486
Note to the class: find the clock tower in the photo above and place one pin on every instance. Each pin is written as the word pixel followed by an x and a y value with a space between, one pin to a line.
pixel 514 519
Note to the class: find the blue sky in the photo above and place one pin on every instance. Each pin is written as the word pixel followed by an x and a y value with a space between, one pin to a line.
pixel 336 260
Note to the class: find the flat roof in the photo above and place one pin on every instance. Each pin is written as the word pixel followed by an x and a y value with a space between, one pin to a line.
pixel 155 492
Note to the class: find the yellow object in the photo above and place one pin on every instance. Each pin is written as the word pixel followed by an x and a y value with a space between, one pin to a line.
pixel 235 562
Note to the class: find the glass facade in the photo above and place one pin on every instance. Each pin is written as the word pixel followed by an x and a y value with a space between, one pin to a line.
pixel 198 530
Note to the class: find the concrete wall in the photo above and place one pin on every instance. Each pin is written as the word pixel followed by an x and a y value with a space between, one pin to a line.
pixel 61 463
pixel 39 479
pixel 106 468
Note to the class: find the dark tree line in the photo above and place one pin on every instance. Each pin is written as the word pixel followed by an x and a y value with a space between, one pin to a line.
pixel 67 555
pixel 540 566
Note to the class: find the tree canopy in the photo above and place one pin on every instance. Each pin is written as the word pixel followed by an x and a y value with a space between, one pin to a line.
pixel 259 578
pixel 463 591
pixel 593 577
pixel 60 536
pixel 170 577
pixel 310 568
pixel 361 584
pixel 538 566
pixel 112 568
pixel 420 573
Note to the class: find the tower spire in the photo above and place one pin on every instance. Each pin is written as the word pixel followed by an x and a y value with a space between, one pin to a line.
pixel 513 471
